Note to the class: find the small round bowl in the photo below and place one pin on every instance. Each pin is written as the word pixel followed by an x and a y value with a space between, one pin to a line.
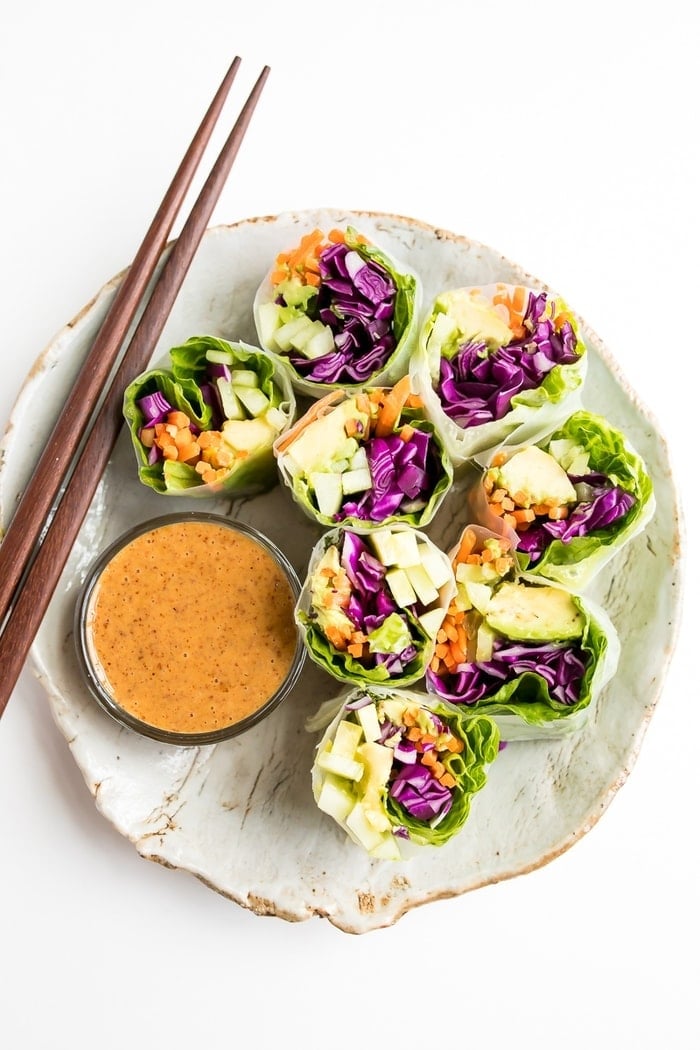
pixel 184 628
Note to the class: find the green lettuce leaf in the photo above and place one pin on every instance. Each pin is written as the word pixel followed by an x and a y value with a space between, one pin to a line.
pixel 392 831
pixel 575 563
pixel 251 474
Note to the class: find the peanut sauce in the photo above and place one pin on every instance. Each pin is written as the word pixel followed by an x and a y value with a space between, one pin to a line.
pixel 191 627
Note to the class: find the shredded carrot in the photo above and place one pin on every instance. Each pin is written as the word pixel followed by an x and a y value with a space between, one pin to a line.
pixel 392 407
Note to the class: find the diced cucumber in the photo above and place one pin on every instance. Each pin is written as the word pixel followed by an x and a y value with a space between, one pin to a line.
pixel 347 737
pixel 221 356
pixel 426 592
pixel 252 398
pixel 335 798
pixel 328 490
pixel 282 337
pixel 275 417
pixel 320 343
pixel 340 765
pixel 356 480
pixel 431 621
pixel 437 567
pixel 400 587
pixel 230 405
pixel 357 822
pixel 359 460
pixel 269 320
pixel 367 717
pixel 244 377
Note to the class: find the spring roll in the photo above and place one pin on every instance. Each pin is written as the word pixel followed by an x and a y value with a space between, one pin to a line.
pixel 206 423
pixel 339 311
pixel 365 460
pixel 498 363
pixel 398 770
pixel 371 604
pixel 532 655
pixel 570 503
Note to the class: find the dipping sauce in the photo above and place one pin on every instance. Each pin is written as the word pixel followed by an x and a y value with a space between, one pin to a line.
pixel 189 626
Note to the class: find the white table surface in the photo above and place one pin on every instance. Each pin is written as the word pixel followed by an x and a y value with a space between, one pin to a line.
pixel 564 135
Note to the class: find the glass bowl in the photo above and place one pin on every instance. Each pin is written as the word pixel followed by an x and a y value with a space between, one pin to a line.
pixel 184 628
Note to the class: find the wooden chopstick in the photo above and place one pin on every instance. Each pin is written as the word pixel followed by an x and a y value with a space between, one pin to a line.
pixel 41 577
pixel 24 530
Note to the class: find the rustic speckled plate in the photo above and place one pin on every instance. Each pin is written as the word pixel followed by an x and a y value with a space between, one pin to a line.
pixel 240 815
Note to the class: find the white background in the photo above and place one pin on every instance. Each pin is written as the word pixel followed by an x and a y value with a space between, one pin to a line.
pixel 566 136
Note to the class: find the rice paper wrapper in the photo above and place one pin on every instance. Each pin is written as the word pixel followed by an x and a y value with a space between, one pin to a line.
pixel 317 460
pixel 345 579
pixel 366 323
pixel 486 366
pixel 543 663
pixel 398 770
pixel 184 380
pixel 586 461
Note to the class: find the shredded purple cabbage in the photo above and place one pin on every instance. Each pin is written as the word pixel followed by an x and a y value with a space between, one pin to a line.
pixel 356 300
pixel 420 793
pixel 155 408
pixel 604 504
pixel 476 387
pixel 561 664
pixel 403 476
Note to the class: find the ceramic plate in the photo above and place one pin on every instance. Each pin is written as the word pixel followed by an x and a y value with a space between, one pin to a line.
pixel 240 815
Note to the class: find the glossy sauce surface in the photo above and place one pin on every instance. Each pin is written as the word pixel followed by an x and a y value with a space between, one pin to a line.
pixel 191 626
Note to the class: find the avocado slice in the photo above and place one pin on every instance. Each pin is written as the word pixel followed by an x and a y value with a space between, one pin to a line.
pixel 537 475
pixel 530 612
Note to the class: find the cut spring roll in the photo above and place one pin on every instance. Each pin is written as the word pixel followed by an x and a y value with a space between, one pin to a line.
pixel 533 655
pixel 397 769
pixel 371 605
pixel 207 423
pixel 340 311
pixel 498 363
pixel 570 503
pixel 366 459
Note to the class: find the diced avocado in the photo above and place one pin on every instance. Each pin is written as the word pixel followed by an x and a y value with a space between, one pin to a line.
pixel 400 587
pixel 340 765
pixel 252 398
pixel 319 442
pixel 468 572
pixel 347 737
pixel 526 612
pixel 536 475
pixel 476 318
pixel 328 490
pixel 426 592
pixel 248 435
pixel 437 567
pixel 335 797
pixel 295 293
